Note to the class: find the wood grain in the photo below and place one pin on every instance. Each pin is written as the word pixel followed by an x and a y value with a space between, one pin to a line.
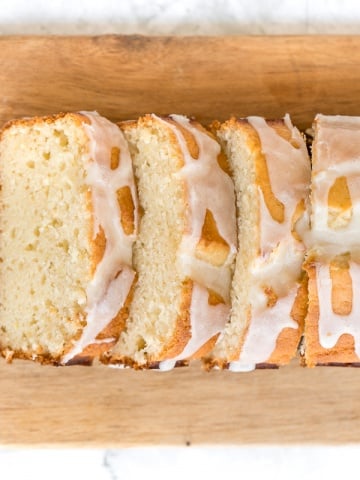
pixel 99 406
pixel 123 77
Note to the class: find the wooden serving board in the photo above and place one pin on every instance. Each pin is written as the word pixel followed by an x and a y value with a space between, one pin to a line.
pixel 123 77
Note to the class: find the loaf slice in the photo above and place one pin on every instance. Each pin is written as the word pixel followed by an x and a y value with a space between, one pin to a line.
pixel 68 223
pixel 332 325
pixel 186 245
pixel 271 171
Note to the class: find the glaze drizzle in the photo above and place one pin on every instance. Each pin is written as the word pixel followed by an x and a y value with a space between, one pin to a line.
pixel 113 278
pixel 209 188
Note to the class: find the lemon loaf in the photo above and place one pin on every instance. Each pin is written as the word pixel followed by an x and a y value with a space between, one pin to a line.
pixel 186 245
pixel 271 171
pixel 332 326
pixel 68 223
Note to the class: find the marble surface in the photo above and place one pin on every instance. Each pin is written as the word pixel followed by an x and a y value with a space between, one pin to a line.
pixel 195 17
pixel 166 463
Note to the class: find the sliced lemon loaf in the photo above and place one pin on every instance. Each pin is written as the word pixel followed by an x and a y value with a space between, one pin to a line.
pixel 271 171
pixel 68 223
pixel 332 326
pixel 186 245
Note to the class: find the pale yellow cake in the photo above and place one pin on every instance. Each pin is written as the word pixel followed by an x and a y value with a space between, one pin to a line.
pixel 68 223
pixel 186 245
pixel 271 171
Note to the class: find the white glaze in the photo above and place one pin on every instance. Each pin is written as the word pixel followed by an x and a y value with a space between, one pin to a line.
pixel 209 188
pixel 118 366
pixel 332 325
pixel 279 265
pixel 336 154
pixel 167 365
pixel 280 270
pixel 241 367
pixel 266 326
pixel 108 289
pixel 289 175
pixel 206 321
pixel 215 278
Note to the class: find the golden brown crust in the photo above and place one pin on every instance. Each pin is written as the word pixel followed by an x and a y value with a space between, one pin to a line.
pixel 299 211
pixel 189 138
pixel 40 355
pixel 78 118
pixel 111 331
pixel 205 349
pixel 115 158
pixel 288 341
pixel 339 195
pixel 211 363
pixel 224 162
pixel 98 246
pixel 128 362
pixel 343 351
pixel 127 209
pixel 342 294
pixel 236 353
pixel 117 325
pixel 339 204
pixel 182 331
pixel 212 248
pixel 213 300
pixel 43 359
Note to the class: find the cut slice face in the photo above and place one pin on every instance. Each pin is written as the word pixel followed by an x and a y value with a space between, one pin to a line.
pixel 68 222
pixel 186 244
pixel 271 171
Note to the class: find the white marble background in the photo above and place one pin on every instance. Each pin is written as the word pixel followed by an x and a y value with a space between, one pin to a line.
pixel 171 463
pixel 184 17
pixel 197 17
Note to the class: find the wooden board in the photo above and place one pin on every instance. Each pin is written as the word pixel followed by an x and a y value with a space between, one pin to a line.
pixel 123 77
